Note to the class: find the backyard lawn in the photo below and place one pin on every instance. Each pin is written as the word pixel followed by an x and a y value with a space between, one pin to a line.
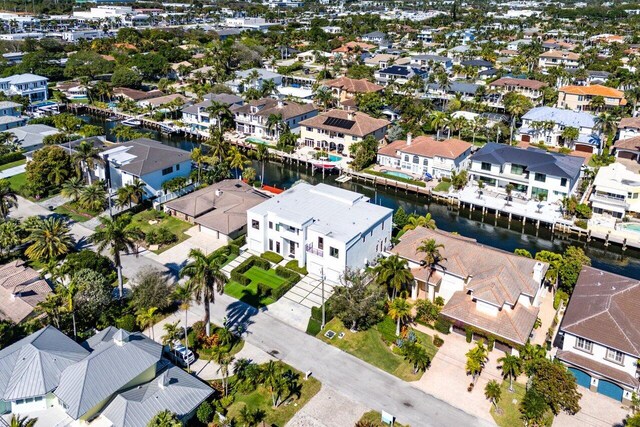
pixel 261 399
pixel 18 181
pixel 509 406
pixel 442 186
pixel 12 164
pixel 369 346
pixel 173 224
pixel 249 293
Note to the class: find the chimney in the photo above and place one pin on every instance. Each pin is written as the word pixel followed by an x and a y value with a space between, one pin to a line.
pixel 121 337
pixel 280 103
pixel 350 115
pixel 163 380
pixel 537 272
pixel 409 138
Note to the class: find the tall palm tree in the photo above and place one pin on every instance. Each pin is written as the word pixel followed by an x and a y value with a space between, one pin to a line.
pixel 124 196
pixel 50 238
pixel 205 278
pixel 146 319
pixel 184 293
pixel 93 197
pixel 198 158
pixel 50 307
pixel 8 198
pixel 323 97
pixel 269 87
pixel 511 367
pixel 16 421
pixel 219 147
pixel 68 295
pixel 237 160
pixel 607 123
pixel 394 273
pixel 516 105
pixel 72 188
pixel 399 310
pixel 431 250
pixel 275 124
pixel 262 155
pixel 85 157
pixel 119 236
pixel 425 221
pixel 493 392
pixel 220 111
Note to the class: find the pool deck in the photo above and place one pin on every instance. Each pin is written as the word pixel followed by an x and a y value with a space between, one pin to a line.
pixel 387 169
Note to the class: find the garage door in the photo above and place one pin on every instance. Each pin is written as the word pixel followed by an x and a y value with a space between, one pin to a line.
pixel 610 389
pixel 626 155
pixel 584 148
pixel 582 378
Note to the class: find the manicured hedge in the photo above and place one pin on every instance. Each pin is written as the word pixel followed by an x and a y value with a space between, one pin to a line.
pixel 442 326
pixel 264 289
pixel 293 265
pixel 272 256
pixel 237 243
pixel 237 274
pixel 11 157
pixel 292 278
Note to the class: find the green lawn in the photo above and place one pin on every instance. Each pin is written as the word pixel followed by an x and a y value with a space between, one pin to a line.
pixel 374 418
pixel 442 186
pixel 75 213
pixel 369 346
pixel 509 411
pixel 249 293
pixel 395 178
pixel 18 181
pixel 173 224
pixel 261 399
pixel 12 164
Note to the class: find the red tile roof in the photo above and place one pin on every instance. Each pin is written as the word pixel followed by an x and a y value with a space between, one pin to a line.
pixel 427 146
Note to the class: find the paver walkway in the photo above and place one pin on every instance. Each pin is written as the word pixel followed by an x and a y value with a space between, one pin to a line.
pixel 308 292
pixel 235 262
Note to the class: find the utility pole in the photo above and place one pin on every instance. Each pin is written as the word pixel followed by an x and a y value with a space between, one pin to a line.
pixel 107 176
pixel 322 284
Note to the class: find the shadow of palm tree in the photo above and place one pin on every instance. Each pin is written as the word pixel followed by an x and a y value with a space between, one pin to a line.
pixel 239 315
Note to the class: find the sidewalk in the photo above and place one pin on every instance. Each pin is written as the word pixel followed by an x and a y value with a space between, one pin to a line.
pixel 16 170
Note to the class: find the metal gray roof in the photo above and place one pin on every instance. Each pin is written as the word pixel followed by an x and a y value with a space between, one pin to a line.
pixel 32 366
pixel 112 365
pixel 151 156
pixel 578 119
pixel 172 389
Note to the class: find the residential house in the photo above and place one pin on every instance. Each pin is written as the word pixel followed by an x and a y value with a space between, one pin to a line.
pixel 245 79
pixel 150 161
pixel 376 37
pixel 325 228
pixel 533 172
pixel 496 293
pixel 627 149
pixel 219 210
pixel 135 95
pixel 616 191
pixel 166 102
pixel 579 98
pixel 352 50
pixel 532 89
pixel 545 125
pixel 553 44
pixel 558 58
pixel 339 129
pixel 628 127
pixel 600 334
pixel 31 137
pixel 252 118
pixel 28 85
pixel 344 88
pixel 197 117
pixel 426 156
pixel 477 64
pixel 21 289
pixel 11 116
pixel 384 60
pixel 73 90
pixel 466 91
pixel 430 62
pixel 399 74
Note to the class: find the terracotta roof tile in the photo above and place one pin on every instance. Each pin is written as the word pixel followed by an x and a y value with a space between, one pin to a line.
pixel 593 90
pixel 525 83
pixel 354 85
pixel 427 146
pixel 363 124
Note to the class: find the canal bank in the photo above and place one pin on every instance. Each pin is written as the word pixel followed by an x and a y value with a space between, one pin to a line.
pixel 487 229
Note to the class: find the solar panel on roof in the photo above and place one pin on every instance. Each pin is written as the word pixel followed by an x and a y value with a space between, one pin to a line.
pixel 339 123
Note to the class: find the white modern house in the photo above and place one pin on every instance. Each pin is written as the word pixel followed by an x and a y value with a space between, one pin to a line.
pixel 253 79
pixel 326 229
pixel 545 125
pixel 600 334
pixel 28 85
pixel 252 119
pixel 533 172
pixel 147 160
pixel 616 191
pixel 197 117
pixel 426 156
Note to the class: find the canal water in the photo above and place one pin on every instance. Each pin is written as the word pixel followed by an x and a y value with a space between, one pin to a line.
pixel 487 230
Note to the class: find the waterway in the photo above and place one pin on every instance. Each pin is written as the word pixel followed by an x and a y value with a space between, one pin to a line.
pixel 487 230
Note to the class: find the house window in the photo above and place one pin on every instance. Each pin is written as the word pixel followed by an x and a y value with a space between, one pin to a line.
pixel 178 167
pixel 517 169
pixel 416 159
pixel 167 171
pixel 540 177
pixel 485 166
pixel 270 244
pixel 563 182
pixel 320 243
pixel 406 158
pixel 584 345
pixel 615 356
pixel 277 247
pixel 255 224
pixel 334 252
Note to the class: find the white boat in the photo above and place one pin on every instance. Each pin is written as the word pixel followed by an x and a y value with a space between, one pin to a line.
pixel 132 122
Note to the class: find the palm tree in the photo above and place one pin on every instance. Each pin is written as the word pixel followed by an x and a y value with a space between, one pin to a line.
pixel 16 421
pixel 323 97
pixel 8 198
pixel 50 238
pixel 184 293
pixel 420 221
pixel 272 378
pixel 511 367
pixel 124 196
pixel 119 236
pixel 198 158
pixel 509 189
pixel 224 360
pixel 476 359
pixel 205 278
pixel 431 250
pixel 597 103
pixel 165 418
pixel 607 123
pixel 85 157
pixel 262 155
pixel 93 197
pixel 268 88
pixel 237 160
pixel 437 120
pixel 57 175
pixel 275 124
pixel 220 111
pixel 492 391
pixel 570 134
pixel 399 310
pixel 171 333
pixel 68 295
pixel 146 319
pixel 72 189
pixel 50 307
pixel 417 355
pixel 394 273
pixel 516 106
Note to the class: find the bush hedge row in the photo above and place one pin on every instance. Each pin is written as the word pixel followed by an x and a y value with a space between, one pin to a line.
pixel 272 256
pixel 10 157
pixel 291 278
pixel 237 274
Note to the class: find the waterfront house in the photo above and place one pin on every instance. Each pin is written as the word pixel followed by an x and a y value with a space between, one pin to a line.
pixel 426 156
pixel 532 89
pixel 579 98
pixel 10 115
pixel 198 119
pixel 219 210
pixel 384 60
pixel 344 88
pixel 150 161
pixel 496 293
pixel 135 94
pixel 31 137
pixel 337 130
pixel 376 37
pixel 161 102
pixel 558 58
pixel 253 79
pixel 533 172
pixel 252 118
pixel 124 381
pixel 545 125
pixel 21 289
pixel 325 228
pixel 28 85
pixel 399 74
pixel 616 191
pixel 600 335
pixel 628 127
pixel 466 91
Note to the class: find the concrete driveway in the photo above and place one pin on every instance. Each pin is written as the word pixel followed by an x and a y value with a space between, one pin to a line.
pixel 597 411
pixel 176 257
pixel 447 380
pixel 328 408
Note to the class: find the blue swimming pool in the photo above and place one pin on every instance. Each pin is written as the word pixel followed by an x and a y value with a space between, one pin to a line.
pixel 397 174
pixel 333 158
pixel 634 228
pixel 257 141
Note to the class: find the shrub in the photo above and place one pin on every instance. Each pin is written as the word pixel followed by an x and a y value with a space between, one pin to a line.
pixel 240 278
pixel 93 261
pixel 426 311
pixel 583 211
pixel 11 157
pixel 558 297
pixel 285 273
pixel 468 332
pixel 264 289
pixel 272 256
pixel 313 327
pixel 437 341
pixel 293 265
pixel 581 223
pixel 234 249
pixel 490 343
pixel 127 322
pixel 443 326
pixel 205 412
pixel 240 241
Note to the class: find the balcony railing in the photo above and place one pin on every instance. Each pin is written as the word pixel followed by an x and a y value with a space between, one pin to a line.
pixel 608 199
pixel 309 248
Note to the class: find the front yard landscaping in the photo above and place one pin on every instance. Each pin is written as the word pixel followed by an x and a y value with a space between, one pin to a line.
pixel 374 419
pixel 374 346
pixel 256 283
pixel 75 212
pixel 221 340
pixel 160 229
pixel 509 407
pixel 12 164
pixel 442 187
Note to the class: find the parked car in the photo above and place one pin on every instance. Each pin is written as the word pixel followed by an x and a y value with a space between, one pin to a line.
pixel 181 355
